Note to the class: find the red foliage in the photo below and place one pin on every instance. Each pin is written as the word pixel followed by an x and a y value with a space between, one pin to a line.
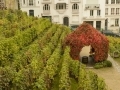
pixel 86 35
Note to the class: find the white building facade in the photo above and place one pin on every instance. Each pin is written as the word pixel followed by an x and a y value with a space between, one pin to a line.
pixel 112 12
pixel 68 12
pixel 94 13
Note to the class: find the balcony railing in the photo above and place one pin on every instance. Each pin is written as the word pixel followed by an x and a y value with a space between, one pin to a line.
pixel 61 11
pixel 75 11
pixel 92 6
pixel 45 12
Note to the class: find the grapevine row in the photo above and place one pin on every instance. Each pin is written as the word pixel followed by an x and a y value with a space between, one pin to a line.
pixel 49 48
pixel 10 46
pixel 33 51
pixel 31 71
pixel 64 82
pixel 46 77
pixel 49 71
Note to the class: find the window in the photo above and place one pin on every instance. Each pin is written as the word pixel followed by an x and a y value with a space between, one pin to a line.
pixel 60 6
pixel 112 11
pixel 75 7
pixel 106 2
pixel 117 11
pixel 91 12
pixel 106 11
pixel 23 1
pixel 117 22
pixel 112 1
pixel 31 2
pixel 98 12
pixel 46 7
pixel 117 1
pixel 31 12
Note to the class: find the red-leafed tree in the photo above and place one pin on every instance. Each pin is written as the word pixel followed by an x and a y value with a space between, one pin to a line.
pixel 86 35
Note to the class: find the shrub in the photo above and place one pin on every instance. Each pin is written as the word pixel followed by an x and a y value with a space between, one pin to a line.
pixel 105 63
pixel 108 63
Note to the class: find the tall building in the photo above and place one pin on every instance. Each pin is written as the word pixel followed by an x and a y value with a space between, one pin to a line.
pixel 67 12
pixel 112 13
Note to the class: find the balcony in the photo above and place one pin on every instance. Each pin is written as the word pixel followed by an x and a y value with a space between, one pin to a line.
pixel 75 11
pixel 61 11
pixel 46 12
pixel 46 1
pixel 75 1
pixel 92 6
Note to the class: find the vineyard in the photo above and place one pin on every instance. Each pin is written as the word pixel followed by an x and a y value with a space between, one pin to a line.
pixel 31 56
pixel 114 46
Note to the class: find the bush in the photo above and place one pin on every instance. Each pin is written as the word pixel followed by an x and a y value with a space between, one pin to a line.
pixel 105 63
pixel 108 63
pixel 97 66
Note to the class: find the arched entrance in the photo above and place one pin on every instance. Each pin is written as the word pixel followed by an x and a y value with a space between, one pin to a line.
pixel 85 52
pixel 66 21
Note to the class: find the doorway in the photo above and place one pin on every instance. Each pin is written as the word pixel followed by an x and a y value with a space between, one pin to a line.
pixel 98 25
pixel 66 21
pixel 31 13
pixel 85 52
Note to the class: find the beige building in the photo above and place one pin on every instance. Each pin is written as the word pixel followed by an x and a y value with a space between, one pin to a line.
pixel 94 13
pixel 112 13
pixel 67 12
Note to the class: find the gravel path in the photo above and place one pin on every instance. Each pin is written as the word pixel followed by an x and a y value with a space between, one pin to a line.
pixel 114 63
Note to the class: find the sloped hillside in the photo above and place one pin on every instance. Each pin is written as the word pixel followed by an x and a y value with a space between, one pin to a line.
pixel 31 56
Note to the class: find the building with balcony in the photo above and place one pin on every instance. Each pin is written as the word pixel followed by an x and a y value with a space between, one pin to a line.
pixel 112 14
pixel 67 12
pixel 94 13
